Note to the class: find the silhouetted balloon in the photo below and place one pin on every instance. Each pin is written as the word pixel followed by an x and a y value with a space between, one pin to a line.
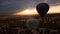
pixel 42 9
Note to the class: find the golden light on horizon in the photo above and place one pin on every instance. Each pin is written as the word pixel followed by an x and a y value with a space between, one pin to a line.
pixel 54 9
pixel 28 12
pixel 33 11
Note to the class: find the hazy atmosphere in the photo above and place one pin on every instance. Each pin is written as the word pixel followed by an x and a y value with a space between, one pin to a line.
pixel 16 6
pixel 29 17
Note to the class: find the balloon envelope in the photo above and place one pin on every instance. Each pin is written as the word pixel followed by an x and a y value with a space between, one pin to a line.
pixel 42 9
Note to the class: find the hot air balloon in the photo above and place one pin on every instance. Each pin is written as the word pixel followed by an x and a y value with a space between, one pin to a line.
pixel 42 9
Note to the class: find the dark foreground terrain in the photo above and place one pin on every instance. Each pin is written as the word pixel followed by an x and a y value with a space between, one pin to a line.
pixel 15 24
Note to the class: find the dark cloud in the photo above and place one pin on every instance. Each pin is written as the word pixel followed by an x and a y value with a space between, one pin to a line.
pixel 13 6
pixel 53 1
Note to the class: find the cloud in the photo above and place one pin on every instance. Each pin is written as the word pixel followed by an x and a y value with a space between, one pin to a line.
pixel 54 2
pixel 13 6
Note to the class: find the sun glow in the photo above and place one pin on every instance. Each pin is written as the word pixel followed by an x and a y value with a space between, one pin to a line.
pixel 33 11
pixel 28 12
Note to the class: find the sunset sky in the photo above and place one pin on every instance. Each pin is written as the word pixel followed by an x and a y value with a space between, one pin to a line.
pixel 33 11
pixel 26 7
